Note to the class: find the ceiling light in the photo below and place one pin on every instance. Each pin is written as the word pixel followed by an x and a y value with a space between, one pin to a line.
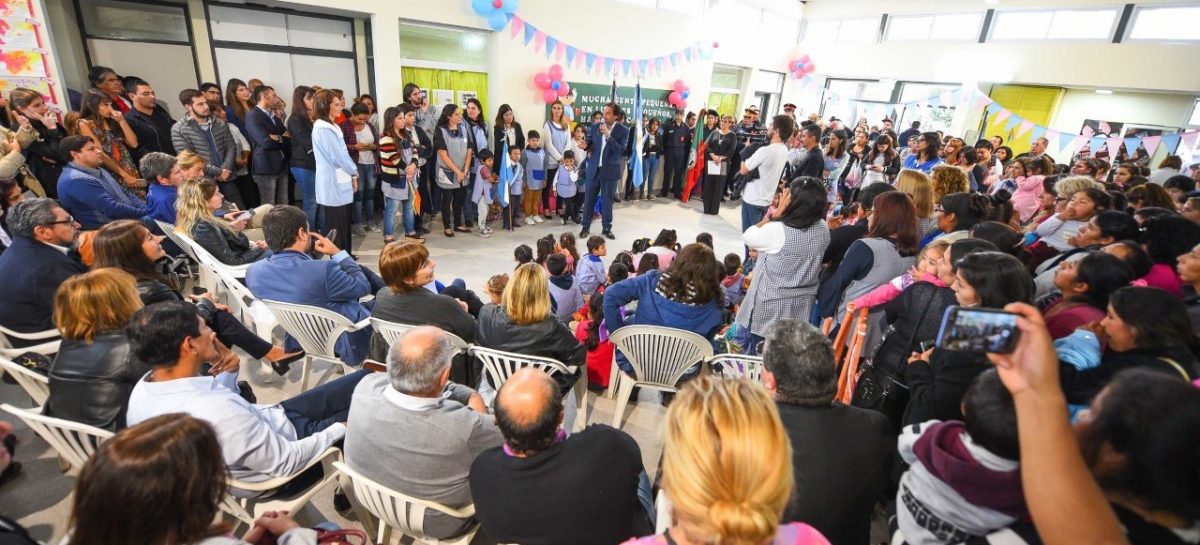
pixel 1104 91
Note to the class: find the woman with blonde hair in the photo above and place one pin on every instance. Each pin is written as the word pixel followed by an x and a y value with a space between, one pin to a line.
pixel 191 164
pixel 93 374
pixel 194 207
pixel 727 469
pixel 917 185
pixel 947 179
pixel 525 323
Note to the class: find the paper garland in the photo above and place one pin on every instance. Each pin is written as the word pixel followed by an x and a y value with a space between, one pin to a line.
pixel 1064 143
pixel 578 57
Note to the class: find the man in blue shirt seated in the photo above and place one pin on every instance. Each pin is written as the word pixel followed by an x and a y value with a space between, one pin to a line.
pixel 164 175
pixel 291 275
pixel 88 191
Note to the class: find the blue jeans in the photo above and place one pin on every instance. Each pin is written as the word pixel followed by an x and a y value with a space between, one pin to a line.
pixel 389 216
pixel 364 198
pixel 307 180
pixel 590 192
pixel 649 166
pixel 318 408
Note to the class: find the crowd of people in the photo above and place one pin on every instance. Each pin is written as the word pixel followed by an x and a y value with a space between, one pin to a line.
pixel 1084 434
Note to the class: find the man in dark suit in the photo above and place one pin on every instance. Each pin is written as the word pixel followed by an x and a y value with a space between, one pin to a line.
pixel 840 453
pixel 606 141
pixel 38 261
pixel 268 165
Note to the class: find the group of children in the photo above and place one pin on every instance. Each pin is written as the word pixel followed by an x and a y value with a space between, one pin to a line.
pixel 529 178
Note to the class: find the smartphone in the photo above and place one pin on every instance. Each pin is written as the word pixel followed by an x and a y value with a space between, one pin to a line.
pixel 332 234
pixel 978 331
pixel 925 346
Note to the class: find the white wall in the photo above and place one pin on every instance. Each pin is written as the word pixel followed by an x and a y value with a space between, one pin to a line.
pixel 1137 65
pixel 1169 110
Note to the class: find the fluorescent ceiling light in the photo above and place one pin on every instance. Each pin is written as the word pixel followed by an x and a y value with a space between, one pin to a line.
pixel 1104 91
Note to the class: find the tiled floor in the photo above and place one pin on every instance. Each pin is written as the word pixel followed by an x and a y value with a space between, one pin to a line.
pixel 40 498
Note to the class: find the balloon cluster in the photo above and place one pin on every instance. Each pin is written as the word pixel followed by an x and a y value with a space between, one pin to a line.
pixel 497 12
pixel 679 96
pixel 551 84
pixel 802 66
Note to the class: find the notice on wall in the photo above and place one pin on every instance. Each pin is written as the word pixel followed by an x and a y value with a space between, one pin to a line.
pixel 24 57
pixel 586 98
pixel 464 96
pixel 442 97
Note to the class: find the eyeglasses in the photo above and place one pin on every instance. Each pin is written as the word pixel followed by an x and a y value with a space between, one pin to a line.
pixel 70 220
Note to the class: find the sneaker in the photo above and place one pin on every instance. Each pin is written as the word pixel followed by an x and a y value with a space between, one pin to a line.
pixel 359 230
pixel 370 228
pixel 530 221
pixel 485 233
pixel 583 234
pixel 538 219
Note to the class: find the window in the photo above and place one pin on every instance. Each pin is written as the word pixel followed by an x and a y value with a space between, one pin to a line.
pixel 134 21
pixel 932 118
pixel 848 30
pixel 953 26
pixel 727 78
pixel 852 99
pixel 1094 24
pixel 779 28
pixel 444 45
pixel 1165 23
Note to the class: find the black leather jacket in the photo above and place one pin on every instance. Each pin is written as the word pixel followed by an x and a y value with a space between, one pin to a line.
pixel 153 291
pixel 90 382
pixel 548 338
pixel 228 247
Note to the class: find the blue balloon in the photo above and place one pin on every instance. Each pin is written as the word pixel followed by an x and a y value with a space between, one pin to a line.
pixel 482 7
pixel 555 85
pixel 497 20
pixel 685 94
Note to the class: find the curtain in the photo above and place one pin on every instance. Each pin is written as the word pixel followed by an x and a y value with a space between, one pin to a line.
pixel 1036 104
pixel 723 103
pixel 455 80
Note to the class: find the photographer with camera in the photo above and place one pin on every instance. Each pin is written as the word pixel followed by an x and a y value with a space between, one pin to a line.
pixel 769 161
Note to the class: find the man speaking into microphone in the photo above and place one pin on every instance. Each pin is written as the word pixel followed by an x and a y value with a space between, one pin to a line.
pixel 605 141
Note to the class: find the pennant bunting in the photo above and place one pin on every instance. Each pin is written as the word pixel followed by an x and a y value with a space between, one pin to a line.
pixel 626 64
pixel 1095 143
pixel 539 40
pixel 1025 126
pixel 1005 113
pixel 608 65
pixel 551 43
pixel 1114 145
pixel 1189 140
pixel 1171 141
pixel 1037 132
pixel 1151 144
pixel 1012 120
pixel 675 60
pixel 517 24
pixel 687 54
pixel 571 54
pixel 589 60
pixel 530 30
pixel 642 64
pixel 1132 143
pixel 658 64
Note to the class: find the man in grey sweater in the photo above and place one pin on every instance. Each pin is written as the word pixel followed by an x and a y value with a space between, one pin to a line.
pixel 415 432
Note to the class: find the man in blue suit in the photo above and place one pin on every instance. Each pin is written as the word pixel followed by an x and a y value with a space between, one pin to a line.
pixel 291 275
pixel 605 142
pixel 267 163
pixel 39 260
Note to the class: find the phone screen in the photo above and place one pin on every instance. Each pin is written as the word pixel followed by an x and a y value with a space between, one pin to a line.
pixel 332 234
pixel 978 331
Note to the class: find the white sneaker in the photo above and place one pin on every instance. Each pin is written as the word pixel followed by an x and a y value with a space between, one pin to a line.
pixel 485 233
pixel 538 219
pixel 530 221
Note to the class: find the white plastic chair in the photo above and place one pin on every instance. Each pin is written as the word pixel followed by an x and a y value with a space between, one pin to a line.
pixel 659 356
pixel 397 511
pixel 203 256
pixel 392 331
pixel 74 442
pixel 316 329
pixel 35 384
pixel 248 308
pixel 47 348
pixel 247 510
pixel 736 366
pixel 208 282
pixel 500 365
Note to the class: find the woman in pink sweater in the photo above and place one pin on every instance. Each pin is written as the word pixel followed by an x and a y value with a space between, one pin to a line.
pixel 1028 174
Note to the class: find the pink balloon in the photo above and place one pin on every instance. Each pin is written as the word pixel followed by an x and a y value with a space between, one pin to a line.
pixel 804 59
pixel 564 89
pixel 541 81
pixel 549 96
pixel 674 96
pixel 809 67
pixel 678 86
pixel 556 72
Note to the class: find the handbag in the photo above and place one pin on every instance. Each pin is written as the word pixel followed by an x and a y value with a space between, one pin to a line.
pixel 328 537
pixel 881 389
